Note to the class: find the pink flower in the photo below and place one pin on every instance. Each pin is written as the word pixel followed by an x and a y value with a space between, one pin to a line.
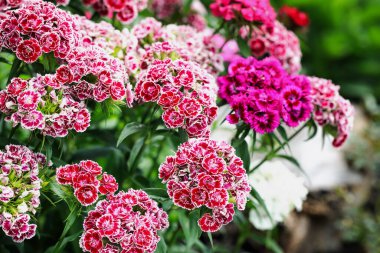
pixel 198 176
pixel 28 51
pixel 86 195
pixel 28 100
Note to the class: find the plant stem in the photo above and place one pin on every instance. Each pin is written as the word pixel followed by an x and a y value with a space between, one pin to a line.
pixel 275 151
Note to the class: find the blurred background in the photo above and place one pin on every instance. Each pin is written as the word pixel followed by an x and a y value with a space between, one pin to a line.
pixel 342 211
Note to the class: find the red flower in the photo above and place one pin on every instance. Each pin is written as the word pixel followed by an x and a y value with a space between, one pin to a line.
pixel 172 118
pixel 33 120
pixel 66 174
pixel 117 91
pixel 184 78
pixel 197 127
pixel 150 91
pixel 182 198
pixel 28 100
pixel 214 164
pixel 92 241
pixel 115 5
pixel 30 22
pixel 128 14
pixel 63 75
pixel 298 17
pixel 143 237
pixel 210 182
pixel 108 225
pixel 91 167
pixel 218 198
pixel 50 41
pixel 86 195
pixel 108 184
pixel 258 47
pixel 169 98
pixel 28 50
pixel 199 196
pixel 16 86
pixel 83 178
pixel 190 107
pixel 207 223
pixel 82 121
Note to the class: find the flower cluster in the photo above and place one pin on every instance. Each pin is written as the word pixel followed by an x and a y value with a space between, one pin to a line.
pixel 19 190
pixel 128 221
pixel 126 11
pixel 185 92
pixel 280 198
pixel 39 104
pixel 261 93
pixel 38 27
pixel 87 180
pixel 331 109
pixel 259 11
pixel 297 17
pixel 278 42
pixel 206 173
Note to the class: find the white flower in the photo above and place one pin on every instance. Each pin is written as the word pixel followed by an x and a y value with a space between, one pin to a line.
pixel 22 208
pixel 281 190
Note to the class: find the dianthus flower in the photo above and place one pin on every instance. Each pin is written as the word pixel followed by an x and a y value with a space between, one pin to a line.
pixel 165 8
pixel 296 16
pixel 185 92
pixel 280 198
pixel 126 222
pixel 189 43
pixel 87 180
pixel 261 93
pixel 206 173
pixel 126 11
pixel 19 190
pixel 331 109
pixel 38 27
pixel 278 42
pixel 259 11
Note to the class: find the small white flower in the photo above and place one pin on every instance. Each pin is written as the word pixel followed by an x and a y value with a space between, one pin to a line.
pixel 22 208
pixel 281 190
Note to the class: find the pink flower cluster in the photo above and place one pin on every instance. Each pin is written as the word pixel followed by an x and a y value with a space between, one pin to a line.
pixel 125 222
pixel 126 11
pixel 261 93
pixel 39 104
pixel 190 44
pixel 19 190
pixel 249 10
pixel 206 173
pixel 87 180
pixel 38 27
pixel 185 92
pixel 7 4
pixel 331 109
pixel 278 42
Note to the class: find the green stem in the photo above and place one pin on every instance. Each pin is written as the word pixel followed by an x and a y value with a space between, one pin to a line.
pixel 275 151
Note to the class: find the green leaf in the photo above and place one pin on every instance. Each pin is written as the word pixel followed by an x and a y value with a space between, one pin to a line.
pixel 261 202
pixel 187 7
pixel 136 152
pixel 242 151
pixel 161 246
pixel 210 238
pixel 159 192
pixel 290 159
pixel 190 227
pixel 69 223
pixel 130 129
pixel 313 129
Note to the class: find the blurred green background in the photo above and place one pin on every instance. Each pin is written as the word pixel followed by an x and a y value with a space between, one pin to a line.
pixel 343 43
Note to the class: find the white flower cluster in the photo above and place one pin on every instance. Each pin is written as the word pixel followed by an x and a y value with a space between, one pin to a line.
pixel 281 190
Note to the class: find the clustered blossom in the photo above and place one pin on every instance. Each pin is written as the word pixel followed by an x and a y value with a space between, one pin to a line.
pixel 126 11
pixel 261 93
pixel 38 104
pixel 259 11
pixel 331 109
pixel 38 27
pixel 282 192
pixel 191 44
pixel 87 180
pixel 19 190
pixel 185 92
pixel 278 42
pixel 125 222
pixel 206 173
